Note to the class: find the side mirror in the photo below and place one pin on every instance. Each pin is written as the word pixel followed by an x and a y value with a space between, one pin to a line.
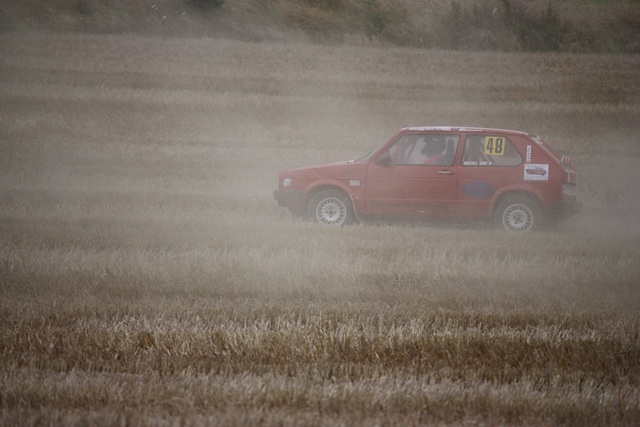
pixel 384 160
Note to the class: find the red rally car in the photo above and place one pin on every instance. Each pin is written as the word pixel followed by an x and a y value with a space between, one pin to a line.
pixel 514 178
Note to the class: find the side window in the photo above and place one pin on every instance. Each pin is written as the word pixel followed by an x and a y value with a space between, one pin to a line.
pixel 424 149
pixel 488 150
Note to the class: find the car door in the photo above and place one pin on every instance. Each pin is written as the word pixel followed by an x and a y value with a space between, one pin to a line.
pixel 414 177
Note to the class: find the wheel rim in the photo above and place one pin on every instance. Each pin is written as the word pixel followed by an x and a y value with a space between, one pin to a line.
pixel 517 218
pixel 331 211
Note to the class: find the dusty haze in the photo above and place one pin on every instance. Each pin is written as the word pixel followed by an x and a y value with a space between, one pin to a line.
pixel 147 275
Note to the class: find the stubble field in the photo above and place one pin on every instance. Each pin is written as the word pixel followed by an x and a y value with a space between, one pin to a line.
pixel 147 277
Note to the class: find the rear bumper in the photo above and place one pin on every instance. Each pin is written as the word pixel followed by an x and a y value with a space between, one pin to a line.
pixel 565 208
pixel 288 198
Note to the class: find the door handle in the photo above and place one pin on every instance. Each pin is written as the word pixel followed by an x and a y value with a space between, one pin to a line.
pixel 446 172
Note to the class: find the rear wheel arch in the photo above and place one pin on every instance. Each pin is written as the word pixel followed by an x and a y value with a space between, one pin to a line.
pixel 513 193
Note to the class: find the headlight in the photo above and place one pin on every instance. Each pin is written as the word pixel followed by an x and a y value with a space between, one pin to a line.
pixel 286 182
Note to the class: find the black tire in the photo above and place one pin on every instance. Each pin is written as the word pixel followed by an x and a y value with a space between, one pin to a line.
pixel 331 207
pixel 518 214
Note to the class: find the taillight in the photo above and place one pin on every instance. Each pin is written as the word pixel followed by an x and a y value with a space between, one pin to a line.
pixel 565 161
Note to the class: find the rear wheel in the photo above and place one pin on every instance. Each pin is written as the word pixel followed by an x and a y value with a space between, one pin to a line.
pixel 331 207
pixel 518 214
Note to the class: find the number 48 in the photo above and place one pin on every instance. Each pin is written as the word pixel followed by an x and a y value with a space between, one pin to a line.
pixel 494 146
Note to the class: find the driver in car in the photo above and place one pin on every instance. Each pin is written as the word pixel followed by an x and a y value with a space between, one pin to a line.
pixel 433 150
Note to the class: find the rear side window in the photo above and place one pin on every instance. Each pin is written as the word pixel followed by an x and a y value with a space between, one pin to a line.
pixel 488 150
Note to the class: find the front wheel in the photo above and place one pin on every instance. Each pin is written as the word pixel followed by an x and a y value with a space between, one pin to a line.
pixel 518 214
pixel 331 207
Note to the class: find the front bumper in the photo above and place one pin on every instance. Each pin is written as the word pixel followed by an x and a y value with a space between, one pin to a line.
pixel 288 198
pixel 565 208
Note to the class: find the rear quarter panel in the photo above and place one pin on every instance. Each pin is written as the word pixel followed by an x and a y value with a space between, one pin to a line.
pixel 547 187
pixel 481 188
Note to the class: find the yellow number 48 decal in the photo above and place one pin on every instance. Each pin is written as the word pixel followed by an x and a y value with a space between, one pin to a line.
pixel 494 145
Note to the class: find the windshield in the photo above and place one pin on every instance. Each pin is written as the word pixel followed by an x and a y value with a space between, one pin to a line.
pixel 370 154
pixel 366 156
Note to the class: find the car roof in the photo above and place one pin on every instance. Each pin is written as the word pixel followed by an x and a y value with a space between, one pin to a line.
pixel 460 129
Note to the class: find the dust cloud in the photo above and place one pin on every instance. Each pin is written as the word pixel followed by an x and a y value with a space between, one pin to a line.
pixel 171 128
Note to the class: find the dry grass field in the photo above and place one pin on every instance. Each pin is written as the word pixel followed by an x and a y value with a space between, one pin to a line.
pixel 147 276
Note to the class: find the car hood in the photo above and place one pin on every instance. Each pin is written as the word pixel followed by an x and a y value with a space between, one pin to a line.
pixel 350 168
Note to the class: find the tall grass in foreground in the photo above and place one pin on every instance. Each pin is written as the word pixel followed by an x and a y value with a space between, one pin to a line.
pixel 148 277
